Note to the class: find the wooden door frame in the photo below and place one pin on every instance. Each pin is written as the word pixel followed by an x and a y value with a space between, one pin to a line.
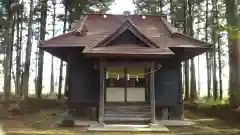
pixel 125 65
pixel 102 91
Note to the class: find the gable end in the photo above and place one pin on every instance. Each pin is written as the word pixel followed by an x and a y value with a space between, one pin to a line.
pixel 127 26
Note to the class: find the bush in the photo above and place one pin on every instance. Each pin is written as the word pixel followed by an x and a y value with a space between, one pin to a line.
pixel 205 102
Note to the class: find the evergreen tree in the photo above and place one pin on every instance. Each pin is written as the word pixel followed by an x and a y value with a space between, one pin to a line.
pixel 28 52
pixel 233 23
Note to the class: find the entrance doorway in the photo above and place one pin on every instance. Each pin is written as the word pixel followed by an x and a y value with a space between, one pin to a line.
pixel 126 85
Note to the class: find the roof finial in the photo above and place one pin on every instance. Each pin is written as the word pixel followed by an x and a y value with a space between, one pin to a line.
pixel 126 13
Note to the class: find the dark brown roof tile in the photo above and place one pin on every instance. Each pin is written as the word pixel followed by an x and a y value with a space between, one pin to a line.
pixel 154 28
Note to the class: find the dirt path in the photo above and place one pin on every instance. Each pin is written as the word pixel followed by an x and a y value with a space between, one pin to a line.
pixel 44 123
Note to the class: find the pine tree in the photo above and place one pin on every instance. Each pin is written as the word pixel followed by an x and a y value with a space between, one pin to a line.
pixel 53 35
pixel 207 53
pixel 233 23
pixel 61 63
pixel 28 52
pixel 186 63
pixel 43 16
pixel 11 8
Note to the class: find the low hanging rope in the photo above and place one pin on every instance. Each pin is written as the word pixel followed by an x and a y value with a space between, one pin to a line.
pixel 113 73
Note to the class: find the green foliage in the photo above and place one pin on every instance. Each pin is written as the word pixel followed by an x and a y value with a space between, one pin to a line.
pixel 7 8
pixel 205 102
pixel 153 7
pixel 79 7
pixel 234 32
pixel 228 28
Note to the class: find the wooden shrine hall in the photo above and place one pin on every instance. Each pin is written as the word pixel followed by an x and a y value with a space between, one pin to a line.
pixel 126 67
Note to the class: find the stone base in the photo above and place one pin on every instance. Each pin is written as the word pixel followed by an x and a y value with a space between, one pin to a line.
pixel 153 125
pixel 84 123
pixel 128 128
pixel 175 122
pixel 66 121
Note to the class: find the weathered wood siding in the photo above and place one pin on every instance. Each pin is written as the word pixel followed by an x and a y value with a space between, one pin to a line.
pixel 167 85
pixel 85 82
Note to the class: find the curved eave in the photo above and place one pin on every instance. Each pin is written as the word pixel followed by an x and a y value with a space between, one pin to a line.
pixel 194 40
pixel 62 52
pixel 186 53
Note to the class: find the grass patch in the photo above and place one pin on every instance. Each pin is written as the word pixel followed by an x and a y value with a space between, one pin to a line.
pixel 204 102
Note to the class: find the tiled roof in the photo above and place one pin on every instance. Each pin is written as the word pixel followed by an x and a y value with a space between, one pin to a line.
pixel 95 28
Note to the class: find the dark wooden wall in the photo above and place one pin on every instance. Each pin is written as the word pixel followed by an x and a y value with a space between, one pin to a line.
pixel 167 85
pixel 85 86
pixel 85 82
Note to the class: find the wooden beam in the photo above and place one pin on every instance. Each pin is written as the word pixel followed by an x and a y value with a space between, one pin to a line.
pixel 101 98
pixel 152 94
pixel 127 64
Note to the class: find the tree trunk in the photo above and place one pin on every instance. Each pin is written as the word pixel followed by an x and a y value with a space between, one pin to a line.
pixel 214 39
pixel 28 53
pixel 18 57
pixel 198 58
pixel 20 53
pixel 13 35
pixel 199 77
pixel 41 52
pixel 234 52
pixel 70 21
pixel 219 49
pixel 193 89
pixel 220 68
pixel 161 6
pixel 61 64
pixel 186 63
pixel 8 60
pixel 207 53
pixel 52 63
pixel 52 76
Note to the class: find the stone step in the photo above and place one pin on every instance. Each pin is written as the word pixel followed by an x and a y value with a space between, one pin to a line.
pixel 125 119
pixel 127 109
pixel 144 115
pixel 126 112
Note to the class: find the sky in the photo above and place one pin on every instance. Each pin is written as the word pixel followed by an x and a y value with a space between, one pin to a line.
pixel 122 5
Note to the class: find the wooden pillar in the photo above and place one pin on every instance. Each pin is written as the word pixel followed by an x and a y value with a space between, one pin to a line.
pixel 152 94
pixel 182 92
pixel 69 83
pixel 101 98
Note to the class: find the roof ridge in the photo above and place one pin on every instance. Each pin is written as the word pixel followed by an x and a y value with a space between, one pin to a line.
pixel 169 26
pixel 124 27
pixel 120 14
pixel 173 31
pixel 82 24
pixel 76 27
